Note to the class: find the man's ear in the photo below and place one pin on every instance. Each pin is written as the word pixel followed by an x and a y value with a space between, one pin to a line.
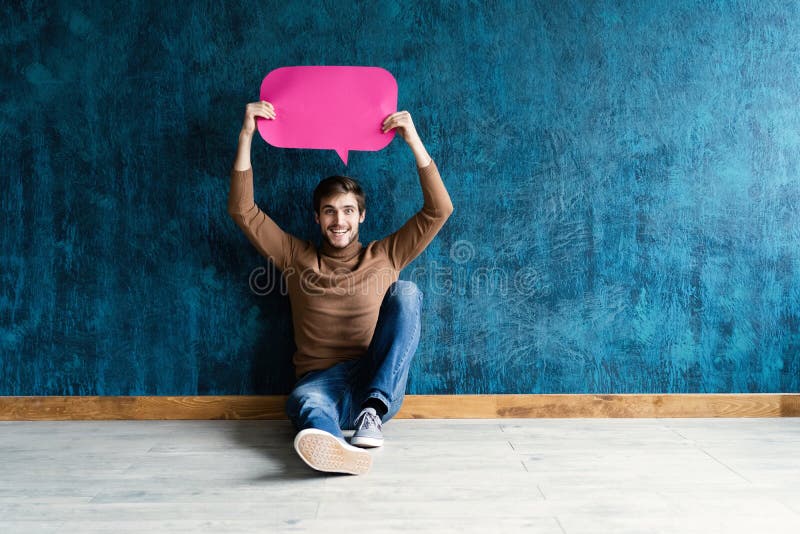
pixel 363 216
pixel 316 217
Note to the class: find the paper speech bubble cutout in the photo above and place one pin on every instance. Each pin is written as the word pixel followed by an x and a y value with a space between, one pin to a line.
pixel 330 108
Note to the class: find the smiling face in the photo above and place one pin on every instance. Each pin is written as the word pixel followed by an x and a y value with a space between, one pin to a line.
pixel 338 219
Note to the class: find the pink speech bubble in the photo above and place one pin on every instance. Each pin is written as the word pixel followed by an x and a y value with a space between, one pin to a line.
pixel 339 108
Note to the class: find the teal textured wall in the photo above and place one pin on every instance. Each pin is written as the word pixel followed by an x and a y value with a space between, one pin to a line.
pixel 625 178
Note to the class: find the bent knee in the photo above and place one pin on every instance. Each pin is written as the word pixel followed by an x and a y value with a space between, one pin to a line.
pixel 406 292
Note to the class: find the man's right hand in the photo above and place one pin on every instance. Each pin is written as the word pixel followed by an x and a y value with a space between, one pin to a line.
pixel 262 109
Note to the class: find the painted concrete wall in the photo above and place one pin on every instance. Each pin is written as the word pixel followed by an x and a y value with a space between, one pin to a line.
pixel 625 177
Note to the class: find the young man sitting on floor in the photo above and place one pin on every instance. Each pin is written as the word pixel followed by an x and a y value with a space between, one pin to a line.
pixel 356 325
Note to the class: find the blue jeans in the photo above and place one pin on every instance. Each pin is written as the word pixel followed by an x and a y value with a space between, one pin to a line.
pixel 331 399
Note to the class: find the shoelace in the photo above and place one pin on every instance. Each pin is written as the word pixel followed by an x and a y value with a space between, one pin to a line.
pixel 367 420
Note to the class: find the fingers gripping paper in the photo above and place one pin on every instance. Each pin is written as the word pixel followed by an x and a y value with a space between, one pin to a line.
pixel 332 108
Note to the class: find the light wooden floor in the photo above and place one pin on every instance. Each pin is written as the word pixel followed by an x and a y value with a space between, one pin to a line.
pixel 503 475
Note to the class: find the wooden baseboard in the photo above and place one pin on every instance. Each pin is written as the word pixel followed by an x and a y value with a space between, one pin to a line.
pixel 414 407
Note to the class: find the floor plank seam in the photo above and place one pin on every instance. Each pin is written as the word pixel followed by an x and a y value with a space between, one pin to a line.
pixel 678 433
pixel 732 470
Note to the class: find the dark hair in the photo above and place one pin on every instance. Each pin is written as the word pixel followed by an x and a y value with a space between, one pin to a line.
pixel 335 185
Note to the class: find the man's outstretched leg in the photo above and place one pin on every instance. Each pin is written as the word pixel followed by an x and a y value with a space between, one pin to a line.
pixel 383 371
pixel 313 407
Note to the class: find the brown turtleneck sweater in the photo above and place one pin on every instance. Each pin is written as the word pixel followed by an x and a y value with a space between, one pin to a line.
pixel 336 294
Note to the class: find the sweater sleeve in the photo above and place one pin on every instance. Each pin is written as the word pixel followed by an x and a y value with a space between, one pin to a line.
pixel 411 239
pixel 268 238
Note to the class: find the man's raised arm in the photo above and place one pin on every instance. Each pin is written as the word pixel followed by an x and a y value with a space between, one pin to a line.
pixel 411 239
pixel 260 229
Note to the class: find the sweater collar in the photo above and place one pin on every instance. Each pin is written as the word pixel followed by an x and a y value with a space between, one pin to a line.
pixel 345 253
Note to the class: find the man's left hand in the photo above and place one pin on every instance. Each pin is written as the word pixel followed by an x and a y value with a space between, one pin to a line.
pixel 403 125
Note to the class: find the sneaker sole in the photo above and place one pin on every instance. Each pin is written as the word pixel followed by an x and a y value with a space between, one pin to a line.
pixel 365 442
pixel 324 452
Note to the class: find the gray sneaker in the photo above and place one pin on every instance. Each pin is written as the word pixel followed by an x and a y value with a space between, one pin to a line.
pixel 368 429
